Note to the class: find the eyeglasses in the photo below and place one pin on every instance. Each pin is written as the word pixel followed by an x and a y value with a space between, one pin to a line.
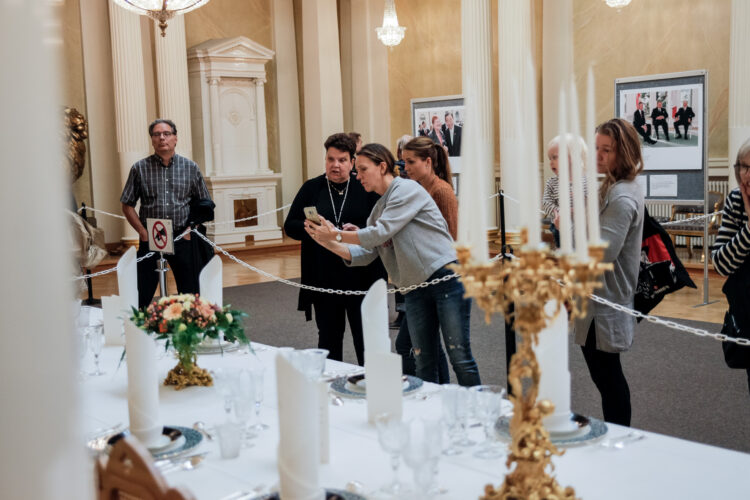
pixel 165 134
pixel 742 168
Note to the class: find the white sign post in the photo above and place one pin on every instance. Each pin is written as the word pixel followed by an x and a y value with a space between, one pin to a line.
pixel 160 239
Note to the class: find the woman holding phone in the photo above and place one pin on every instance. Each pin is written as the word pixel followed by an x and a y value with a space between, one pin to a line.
pixel 336 196
pixel 408 232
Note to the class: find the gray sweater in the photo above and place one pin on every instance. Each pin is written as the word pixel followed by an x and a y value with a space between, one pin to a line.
pixel 621 218
pixel 408 232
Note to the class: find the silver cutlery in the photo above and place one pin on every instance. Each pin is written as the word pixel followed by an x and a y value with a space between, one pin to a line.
pixel 201 427
pixel 620 442
pixel 336 400
pixel 97 441
pixel 182 463
pixel 246 495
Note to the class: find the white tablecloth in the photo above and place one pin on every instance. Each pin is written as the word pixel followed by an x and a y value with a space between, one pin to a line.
pixel 657 467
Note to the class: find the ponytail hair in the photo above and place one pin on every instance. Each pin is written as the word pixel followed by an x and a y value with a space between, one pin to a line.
pixel 424 148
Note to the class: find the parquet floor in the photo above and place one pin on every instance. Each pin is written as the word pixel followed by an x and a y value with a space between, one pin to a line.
pixel 283 261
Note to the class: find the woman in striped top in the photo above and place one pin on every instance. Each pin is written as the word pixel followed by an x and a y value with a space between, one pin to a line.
pixel 731 253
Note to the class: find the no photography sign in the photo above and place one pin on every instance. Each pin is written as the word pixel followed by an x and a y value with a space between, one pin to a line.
pixel 160 235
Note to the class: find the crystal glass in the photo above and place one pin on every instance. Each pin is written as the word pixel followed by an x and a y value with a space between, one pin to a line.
pixel 463 406
pixel 422 449
pixel 258 372
pixel 230 439
pixel 95 334
pixel 315 362
pixel 243 401
pixel 391 436
pixel 227 382
pixel 488 405
pixel 449 397
pixel 81 339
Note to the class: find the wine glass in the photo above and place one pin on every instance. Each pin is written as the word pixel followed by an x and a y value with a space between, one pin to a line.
pixel 227 381
pixel 422 449
pixel 81 339
pixel 489 403
pixel 258 381
pixel 95 334
pixel 244 405
pixel 391 435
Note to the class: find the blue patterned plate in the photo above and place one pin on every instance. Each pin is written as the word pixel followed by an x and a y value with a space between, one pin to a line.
pixel 591 430
pixel 331 494
pixel 339 386
pixel 192 439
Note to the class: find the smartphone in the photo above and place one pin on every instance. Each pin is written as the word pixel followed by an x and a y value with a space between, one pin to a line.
pixel 311 214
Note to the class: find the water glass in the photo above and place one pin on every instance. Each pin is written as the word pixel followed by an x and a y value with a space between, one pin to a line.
pixel 421 450
pixel 95 334
pixel 449 397
pixel 391 436
pixel 230 439
pixel 315 363
pixel 488 405
pixel 244 404
pixel 227 382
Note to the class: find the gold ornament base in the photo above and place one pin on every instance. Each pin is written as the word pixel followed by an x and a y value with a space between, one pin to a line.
pixel 180 377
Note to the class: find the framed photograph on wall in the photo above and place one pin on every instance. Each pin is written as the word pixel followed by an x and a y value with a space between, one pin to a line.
pixel 441 119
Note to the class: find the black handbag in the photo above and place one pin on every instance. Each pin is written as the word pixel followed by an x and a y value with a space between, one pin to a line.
pixel 737 318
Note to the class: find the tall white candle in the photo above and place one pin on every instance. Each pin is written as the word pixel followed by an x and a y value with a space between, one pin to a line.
pixel 532 159
pixel 579 209
pixel 592 201
pixel 566 243
pixel 520 155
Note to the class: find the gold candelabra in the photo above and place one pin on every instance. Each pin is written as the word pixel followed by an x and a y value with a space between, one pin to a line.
pixel 527 282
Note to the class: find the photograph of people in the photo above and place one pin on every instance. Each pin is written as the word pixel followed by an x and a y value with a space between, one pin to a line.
pixel 436 133
pixel 452 135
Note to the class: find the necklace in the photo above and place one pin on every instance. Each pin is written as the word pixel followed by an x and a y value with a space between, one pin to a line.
pixel 345 192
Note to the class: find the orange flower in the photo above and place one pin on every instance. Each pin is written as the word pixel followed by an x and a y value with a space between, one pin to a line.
pixel 174 311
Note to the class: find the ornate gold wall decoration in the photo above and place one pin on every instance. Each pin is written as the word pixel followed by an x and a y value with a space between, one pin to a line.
pixel 76 132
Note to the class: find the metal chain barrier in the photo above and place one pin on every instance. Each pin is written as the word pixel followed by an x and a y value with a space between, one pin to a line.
pixel 101 212
pixel 247 218
pixel 691 219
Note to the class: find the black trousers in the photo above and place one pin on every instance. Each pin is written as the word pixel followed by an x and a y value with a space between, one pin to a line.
pixel 663 125
pixel 645 134
pixel 606 372
pixel 183 266
pixel 331 312
pixel 685 127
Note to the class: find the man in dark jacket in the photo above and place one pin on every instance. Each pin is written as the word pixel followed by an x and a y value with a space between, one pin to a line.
pixel 643 128
pixel 659 120
pixel 683 117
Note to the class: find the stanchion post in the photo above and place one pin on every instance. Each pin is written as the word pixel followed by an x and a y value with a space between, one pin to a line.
pixel 162 270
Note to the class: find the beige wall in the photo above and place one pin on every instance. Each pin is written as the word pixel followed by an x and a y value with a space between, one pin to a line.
pixel 650 37
pixel 74 91
pixel 250 18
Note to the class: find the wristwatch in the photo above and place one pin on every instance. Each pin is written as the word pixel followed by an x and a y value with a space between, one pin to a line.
pixel 338 235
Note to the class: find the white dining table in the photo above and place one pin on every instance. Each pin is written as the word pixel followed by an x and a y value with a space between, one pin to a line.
pixel 658 466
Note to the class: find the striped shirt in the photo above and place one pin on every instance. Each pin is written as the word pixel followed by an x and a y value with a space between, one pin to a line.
pixel 551 197
pixel 164 191
pixel 732 244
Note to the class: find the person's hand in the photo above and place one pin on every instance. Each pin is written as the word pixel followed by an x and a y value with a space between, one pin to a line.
pixel 323 232
pixel 556 220
pixel 350 227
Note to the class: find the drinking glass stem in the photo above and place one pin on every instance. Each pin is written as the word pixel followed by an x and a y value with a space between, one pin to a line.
pixel 96 363
pixel 395 462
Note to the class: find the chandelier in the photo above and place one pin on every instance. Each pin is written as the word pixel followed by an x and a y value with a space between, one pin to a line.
pixel 617 4
pixel 390 33
pixel 161 10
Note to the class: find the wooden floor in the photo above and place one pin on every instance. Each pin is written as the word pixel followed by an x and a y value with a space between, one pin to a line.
pixel 281 258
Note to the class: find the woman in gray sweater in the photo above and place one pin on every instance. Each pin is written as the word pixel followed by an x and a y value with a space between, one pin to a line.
pixel 606 332
pixel 409 234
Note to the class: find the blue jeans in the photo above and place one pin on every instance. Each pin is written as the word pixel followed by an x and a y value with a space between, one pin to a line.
pixel 408 364
pixel 437 308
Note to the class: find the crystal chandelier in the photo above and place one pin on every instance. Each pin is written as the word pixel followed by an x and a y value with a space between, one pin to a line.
pixel 161 10
pixel 617 4
pixel 390 33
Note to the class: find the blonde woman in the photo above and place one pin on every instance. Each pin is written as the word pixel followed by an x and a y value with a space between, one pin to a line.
pixel 606 332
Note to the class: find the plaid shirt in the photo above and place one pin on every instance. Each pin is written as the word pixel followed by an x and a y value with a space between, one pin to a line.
pixel 164 191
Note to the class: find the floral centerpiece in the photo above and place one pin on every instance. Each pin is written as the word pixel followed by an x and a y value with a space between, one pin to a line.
pixel 184 321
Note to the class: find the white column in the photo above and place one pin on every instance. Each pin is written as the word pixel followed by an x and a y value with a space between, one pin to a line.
pixel 324 113
pixel 106 183
pixel 739 74
pixel 514 40
pixel 369 69
pixel 42 454
pixel 285 46
pixel 130 93
pixel 213 90
pixel 172 81
pixel 260 113
pixel 476 181
pixel 557 63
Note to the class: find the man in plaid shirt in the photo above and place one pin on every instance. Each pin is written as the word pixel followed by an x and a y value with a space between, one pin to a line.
pixel 165 183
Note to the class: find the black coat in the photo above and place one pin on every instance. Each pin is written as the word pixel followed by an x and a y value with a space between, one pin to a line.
pixel 454 146
pixel 639 118
pixel 684 115
pixel 321 267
